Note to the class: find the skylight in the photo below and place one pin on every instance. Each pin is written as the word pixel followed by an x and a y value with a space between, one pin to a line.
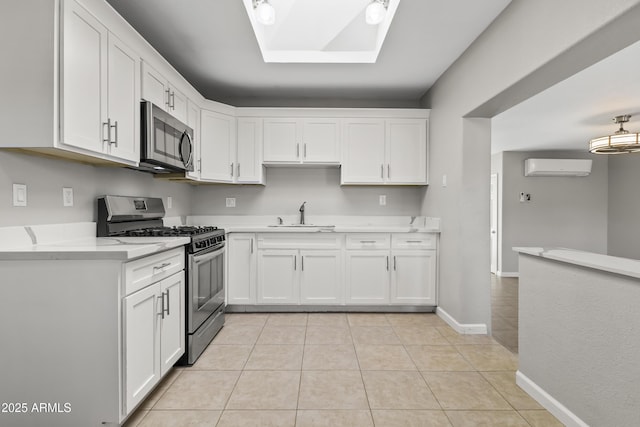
pixel 326 31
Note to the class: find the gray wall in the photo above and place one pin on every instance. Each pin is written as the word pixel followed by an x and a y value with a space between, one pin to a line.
pixel 568 212
pixel 624 206
pixel 525 50
pixel 45 178
pixel 287 188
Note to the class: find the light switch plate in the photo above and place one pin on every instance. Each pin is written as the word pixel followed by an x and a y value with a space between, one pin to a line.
pixel 383 200
pixel 231 202
pixel 169 202
pixel 19 194
pixel 67 196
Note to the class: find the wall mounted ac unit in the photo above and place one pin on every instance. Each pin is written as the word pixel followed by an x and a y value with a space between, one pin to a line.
pixel 557 167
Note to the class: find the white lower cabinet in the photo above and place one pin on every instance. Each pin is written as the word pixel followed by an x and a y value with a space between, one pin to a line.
pixel 154 335
pixel 278 276
pixel 320 277
pixel 241 268
pixel 367 277
pixel 413 277
pixel 332 269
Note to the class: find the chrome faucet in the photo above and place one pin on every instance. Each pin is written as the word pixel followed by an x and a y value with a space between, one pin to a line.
pixel 302 213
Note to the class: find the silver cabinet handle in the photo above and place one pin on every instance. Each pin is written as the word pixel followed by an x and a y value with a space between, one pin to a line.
pixel 388 170
pixel 305 150
pixel 108 125
pixel 302 262
pixel 298 150
pixel 168 303
pixel 414 241
pixel 162 305
pixel 387 262
pixel 381 171
pixel 161 266
pixel 238 170
pixel 168 102
pixel 200 165
pixel 394 263
pixel 232 170
pixel 295 262
pixel 115 128
pixel 172 104
pixel 252 245
pixel 367 241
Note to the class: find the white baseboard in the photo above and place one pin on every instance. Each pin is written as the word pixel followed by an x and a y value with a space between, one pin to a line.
pixel 461 328
pixel 560 411
pixel 507 274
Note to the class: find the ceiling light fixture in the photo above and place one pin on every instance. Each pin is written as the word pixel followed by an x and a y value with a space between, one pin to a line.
pixel 619 143
pixel 376 11
pixel 264 12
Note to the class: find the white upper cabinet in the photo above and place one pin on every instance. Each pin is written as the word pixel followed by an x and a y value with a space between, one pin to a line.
pixel 248 164
pixel 378 151
pixel 159 90
pixel 301 140
pixel 217 146
pixel 100 89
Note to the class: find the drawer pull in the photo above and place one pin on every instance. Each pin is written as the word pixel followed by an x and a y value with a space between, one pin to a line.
pixel 161 314
pixel 161 266
pixel 414 241
pixel 387 262
pixel 168 313
pixel 367 241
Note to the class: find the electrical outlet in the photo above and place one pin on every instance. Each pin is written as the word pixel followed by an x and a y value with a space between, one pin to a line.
pixel 521 197
pixel 525 197
pixel 169 202
pixel 67 196
pixel 444 180
pixel 231 202
pixel 19 194
pixel 383 200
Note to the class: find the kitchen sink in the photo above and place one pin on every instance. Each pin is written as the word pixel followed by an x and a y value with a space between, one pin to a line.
pixel 304 227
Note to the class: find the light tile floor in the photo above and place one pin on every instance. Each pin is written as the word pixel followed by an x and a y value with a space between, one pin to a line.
pixel 336 369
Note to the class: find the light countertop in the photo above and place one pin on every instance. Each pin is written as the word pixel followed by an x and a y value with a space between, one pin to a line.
pixel 611 264
pixel 77 241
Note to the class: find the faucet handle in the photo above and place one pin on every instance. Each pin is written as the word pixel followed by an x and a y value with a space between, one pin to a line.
pixel 302 206
pixel 279 220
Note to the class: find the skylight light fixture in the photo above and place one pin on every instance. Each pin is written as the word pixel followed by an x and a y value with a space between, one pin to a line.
pixel 620 142
pixel 376 11
pixel 265 13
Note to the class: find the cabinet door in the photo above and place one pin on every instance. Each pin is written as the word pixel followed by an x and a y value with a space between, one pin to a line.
pixel 155 87
pixel 278 277
pixel 406 151
pixel 124 100
pixel 282 141
pixel 217 136
pixel 414 277
pixel 367 277
pixel 321 141
pixel 172 344
pixel 177 104
pixel 84 80
pixel 241 269
pixel 320 277
pixel 249 151
pixel 363 152
pixel 141 344
pixel 193 121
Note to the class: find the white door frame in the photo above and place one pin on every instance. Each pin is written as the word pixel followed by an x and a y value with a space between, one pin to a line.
pixel 493 215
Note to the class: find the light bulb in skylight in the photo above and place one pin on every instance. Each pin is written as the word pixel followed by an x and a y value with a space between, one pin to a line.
pixel 265 13
pixel 375 12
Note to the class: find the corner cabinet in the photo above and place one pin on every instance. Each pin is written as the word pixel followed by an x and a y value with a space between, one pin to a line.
pixel 384 151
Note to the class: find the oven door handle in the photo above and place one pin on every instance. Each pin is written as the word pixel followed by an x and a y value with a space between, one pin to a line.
pixel 206 257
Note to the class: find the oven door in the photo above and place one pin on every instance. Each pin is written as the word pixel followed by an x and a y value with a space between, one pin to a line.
pixel 206 286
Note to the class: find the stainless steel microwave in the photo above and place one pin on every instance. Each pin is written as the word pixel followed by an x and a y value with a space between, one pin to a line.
pixel 166 142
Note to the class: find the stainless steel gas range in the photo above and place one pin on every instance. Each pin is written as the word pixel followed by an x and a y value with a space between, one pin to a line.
pixel 142 217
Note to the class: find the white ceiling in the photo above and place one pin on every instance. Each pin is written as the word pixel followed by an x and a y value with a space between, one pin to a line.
pixel 567 115
pixel 211 43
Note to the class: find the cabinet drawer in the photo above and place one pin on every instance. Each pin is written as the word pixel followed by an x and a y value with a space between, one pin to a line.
pixel 413 241
pixel 368 241
pixel 145 271
pixel 300 241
